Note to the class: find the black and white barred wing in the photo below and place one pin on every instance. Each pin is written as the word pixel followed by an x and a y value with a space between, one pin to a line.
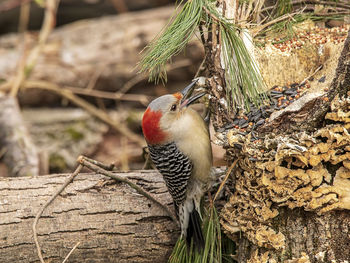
pixel 175 167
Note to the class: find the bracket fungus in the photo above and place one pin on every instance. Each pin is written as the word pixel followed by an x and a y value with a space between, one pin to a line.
pixel 308 170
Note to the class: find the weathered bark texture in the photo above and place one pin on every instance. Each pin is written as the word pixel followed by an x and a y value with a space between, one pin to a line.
pixel 111 221
pixel 291 199
pixel 309 238
pixel 18 151
pixel 105 50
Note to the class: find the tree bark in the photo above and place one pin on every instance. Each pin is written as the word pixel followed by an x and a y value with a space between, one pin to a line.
pixel 111 221
pixel 102 51
pixel 19 152
pixel 290 201
pixel 309 237
pixel 290 189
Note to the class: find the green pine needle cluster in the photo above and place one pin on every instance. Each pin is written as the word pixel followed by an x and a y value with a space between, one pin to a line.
pixel 218 248
pixel 172 40
pixel 283 7
pixel 244 83
pixel 242 74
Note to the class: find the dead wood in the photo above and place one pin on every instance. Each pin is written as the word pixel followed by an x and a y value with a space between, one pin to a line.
pixel 308 112
pixel 310 238
pixel 19 152
pixel 111 221
pixel 101 53
pixel 290 191
pixel 290 199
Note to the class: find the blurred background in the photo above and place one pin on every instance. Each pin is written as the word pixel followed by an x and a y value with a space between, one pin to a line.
pixel 70 83
pixel 92 53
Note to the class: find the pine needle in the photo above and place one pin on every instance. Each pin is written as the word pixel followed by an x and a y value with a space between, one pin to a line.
pixel 172 40
pixel 214 244
pixel 244 83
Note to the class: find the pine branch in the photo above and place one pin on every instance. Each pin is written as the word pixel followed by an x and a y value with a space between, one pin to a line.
pixel 172 40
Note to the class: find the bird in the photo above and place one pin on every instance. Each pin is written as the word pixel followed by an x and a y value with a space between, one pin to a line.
pixel 179 145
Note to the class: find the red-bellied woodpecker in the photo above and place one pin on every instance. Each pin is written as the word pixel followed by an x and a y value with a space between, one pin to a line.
pixel 179 145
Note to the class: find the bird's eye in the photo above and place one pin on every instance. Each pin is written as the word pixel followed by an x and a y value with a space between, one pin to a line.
pixel 173 108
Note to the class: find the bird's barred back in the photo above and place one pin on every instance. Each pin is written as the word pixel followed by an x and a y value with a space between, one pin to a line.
pixel 175 167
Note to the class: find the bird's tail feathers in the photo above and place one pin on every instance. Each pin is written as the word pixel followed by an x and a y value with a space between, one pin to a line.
pixel 194 231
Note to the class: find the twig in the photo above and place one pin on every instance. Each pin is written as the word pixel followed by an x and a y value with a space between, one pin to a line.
pixel 47 26
pixel 132 82
pixel 211 14
pixel 225 179
pixel 85 162
pixel 321 3
pixel 310 76
pixel 333 14
pixel 145 165
pixel 70 253
pixel 143 76
pixel 258 29
pixel 95 76
pixel 107 167
pixel 201 68
pixel 110 95
pixel 24 17
pixel 53 197
pixel 121 128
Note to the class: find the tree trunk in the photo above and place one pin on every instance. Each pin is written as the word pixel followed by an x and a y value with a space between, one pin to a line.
pixel 308 236
pixel 16 147
pixel 290 197
pixel 111 221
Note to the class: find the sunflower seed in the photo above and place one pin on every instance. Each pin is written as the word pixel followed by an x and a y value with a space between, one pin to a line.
pixel 242 133
pixel 275 92
pixel 235 122
pixel 256 117
pixel 238 146
pixel 245 125
pixel 260 122
pixel 322 79
pixel 242 122
pixel 290 91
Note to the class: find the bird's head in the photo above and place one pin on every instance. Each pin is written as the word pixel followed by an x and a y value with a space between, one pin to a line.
pixel 162 112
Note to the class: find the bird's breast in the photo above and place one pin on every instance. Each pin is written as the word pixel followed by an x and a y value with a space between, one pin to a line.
pixel 191 136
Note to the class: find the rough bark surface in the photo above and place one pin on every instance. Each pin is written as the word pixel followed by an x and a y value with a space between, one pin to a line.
pixel 291 195
pixel 111 221
pixel 290 200
pixel 309 238
pixel 16 147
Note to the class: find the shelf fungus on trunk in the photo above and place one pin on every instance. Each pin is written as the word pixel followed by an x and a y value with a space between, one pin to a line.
pixel 304 170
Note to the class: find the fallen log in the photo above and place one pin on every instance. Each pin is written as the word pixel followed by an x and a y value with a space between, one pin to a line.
pixel 111 221
pixel 99 53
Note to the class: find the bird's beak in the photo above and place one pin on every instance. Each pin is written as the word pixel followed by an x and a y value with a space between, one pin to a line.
pixel 188 90
pixel 186 100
